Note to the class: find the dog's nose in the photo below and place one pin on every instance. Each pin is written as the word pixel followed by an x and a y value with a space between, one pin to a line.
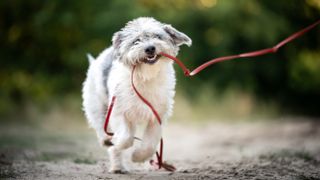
pixel 150 50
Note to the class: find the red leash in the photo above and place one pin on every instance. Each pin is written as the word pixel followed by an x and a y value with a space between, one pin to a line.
pixel 243 55
pixel 160 164
pixel 106 123
pixel 144 99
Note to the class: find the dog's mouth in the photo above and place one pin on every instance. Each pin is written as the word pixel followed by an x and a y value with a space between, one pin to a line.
pixel 151 59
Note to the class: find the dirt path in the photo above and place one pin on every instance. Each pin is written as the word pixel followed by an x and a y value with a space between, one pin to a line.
pixel 260 150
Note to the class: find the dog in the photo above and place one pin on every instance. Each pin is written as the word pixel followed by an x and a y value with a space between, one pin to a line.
pixel 138 44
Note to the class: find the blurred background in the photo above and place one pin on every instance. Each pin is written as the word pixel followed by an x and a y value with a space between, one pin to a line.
pixel 44 44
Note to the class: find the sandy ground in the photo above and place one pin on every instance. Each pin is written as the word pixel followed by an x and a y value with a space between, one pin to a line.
pixel 278 149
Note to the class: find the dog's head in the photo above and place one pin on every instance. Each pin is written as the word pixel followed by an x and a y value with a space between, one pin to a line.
pixel 142 39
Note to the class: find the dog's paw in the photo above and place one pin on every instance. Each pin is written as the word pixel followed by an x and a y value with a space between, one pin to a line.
pixel 141 155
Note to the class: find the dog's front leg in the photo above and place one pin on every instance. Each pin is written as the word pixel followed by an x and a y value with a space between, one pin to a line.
pixel 151 138
pixel 122 139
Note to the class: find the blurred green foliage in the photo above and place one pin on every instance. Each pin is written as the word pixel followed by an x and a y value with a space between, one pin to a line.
pixel 43 46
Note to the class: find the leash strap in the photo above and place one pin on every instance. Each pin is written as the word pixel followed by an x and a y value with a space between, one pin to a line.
pixel 106 123
pixel 242 55
pixel 144 99
pixel 160 164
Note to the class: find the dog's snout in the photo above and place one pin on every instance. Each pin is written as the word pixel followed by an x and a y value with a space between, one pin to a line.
pixel 150 50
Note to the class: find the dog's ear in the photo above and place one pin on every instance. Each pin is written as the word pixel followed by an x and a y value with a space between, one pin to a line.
pixel 116 40
pixel 178 37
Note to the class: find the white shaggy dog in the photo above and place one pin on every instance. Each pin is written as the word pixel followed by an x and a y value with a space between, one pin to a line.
pixel 138 43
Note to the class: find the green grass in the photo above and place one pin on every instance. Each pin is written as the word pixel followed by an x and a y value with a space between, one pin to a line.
pixel 54 156
pixel 84 161
pixel 17 141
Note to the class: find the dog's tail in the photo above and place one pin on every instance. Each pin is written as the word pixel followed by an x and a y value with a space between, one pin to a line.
pixel 90 58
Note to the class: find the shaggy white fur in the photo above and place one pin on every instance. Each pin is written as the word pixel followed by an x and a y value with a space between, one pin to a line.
pixel 138 43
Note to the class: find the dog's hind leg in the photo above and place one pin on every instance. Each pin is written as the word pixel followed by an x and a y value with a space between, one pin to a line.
pixel 123 138
pixel 95 111
pixel 151 138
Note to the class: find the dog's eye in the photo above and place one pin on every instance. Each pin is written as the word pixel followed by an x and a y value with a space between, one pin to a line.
pixel 159 36
pixel 135 42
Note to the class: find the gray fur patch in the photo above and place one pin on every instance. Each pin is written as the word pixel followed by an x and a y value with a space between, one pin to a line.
pixel 106 72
